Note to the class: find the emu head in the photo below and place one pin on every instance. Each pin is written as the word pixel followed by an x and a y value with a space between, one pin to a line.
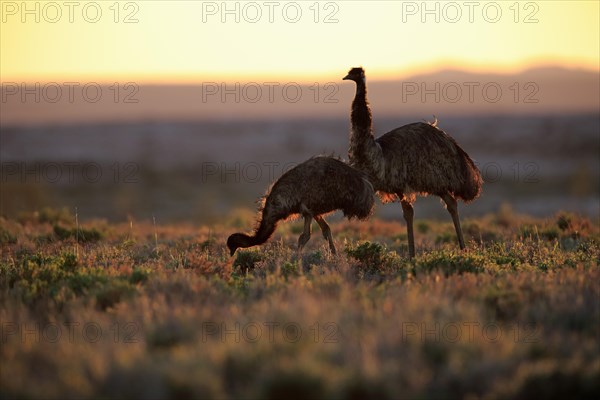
pixel 233 242
pixel 356 74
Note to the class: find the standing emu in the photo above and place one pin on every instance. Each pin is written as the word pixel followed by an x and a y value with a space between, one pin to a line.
pixel 315 187
pixel 413 159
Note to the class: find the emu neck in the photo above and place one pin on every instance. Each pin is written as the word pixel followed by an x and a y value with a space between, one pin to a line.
pixel 361 112
pixel 364 153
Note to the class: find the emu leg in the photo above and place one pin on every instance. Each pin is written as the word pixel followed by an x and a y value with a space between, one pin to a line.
pixel 408 212
pixel 305 236
pixel 452 208
pixel 326 232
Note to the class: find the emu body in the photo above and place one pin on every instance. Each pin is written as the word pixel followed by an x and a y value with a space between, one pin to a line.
pixel 417 158
pixel 316 187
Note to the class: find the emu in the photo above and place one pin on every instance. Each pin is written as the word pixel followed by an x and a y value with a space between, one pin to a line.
pixel 417 158
pixel 316 187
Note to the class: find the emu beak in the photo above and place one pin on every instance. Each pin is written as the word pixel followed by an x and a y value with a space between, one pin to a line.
pixel 347 77
pixel 231 252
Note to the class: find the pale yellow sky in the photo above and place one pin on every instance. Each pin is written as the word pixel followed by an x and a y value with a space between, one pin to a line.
pixel 187 41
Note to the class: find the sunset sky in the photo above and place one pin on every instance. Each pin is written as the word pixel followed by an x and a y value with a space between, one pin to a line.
pixel 187 41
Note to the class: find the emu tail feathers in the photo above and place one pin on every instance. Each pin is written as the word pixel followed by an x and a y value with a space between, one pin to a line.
pixel 362 202
pixel 471 188
pixel 367 200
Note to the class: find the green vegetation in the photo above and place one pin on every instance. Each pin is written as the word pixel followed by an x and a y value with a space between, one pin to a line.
pixel 136 310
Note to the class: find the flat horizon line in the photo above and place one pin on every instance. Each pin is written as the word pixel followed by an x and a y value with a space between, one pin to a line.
pixel 375 76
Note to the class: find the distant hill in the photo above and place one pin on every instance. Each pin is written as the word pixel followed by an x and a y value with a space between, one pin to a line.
pixel 444 93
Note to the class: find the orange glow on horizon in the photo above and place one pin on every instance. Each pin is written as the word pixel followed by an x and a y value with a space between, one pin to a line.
pixel 374 74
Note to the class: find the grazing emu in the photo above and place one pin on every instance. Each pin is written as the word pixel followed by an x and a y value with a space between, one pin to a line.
pixel 413 159
pixel 315 187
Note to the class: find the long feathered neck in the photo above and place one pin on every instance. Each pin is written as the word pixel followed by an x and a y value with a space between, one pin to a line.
pixel 361 112
pixel 262 233
pixel 364 152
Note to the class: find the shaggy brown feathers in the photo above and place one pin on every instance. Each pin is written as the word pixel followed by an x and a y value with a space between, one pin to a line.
pixel 315 187
pixel 432 163
pixel 417 158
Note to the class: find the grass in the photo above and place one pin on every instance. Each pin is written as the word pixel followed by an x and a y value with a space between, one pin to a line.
pixel 140 310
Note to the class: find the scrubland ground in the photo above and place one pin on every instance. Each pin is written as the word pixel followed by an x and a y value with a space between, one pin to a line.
pixel 143 310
